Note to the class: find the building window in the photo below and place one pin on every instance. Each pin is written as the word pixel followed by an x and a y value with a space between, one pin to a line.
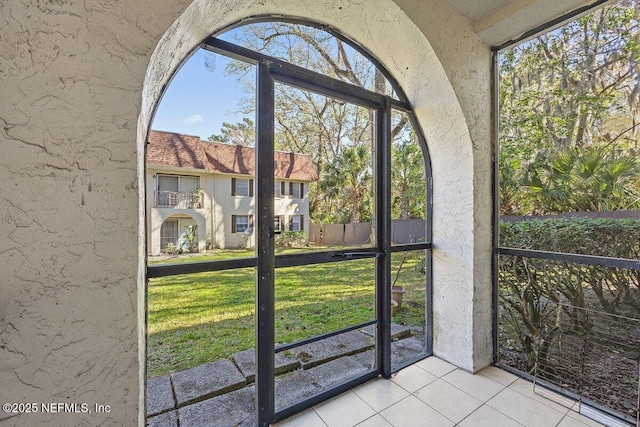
pixel 241 223
pixel 296 189
pixel 278 223
pixel 277 189
pixel 168 233
pixel 178 192
pixel 241 187
pixel 296 223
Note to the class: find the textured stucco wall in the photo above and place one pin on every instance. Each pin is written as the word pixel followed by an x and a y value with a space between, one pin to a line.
pixel 462 201
pixel 71 75
pixel 75 78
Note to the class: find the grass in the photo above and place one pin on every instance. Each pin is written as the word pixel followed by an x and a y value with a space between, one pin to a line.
pixel 198 318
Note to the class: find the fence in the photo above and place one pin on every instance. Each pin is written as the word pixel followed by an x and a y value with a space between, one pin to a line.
pixel 354 234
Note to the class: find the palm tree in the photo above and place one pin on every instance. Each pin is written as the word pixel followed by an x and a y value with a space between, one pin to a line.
pixel 583 179
pixel 347 184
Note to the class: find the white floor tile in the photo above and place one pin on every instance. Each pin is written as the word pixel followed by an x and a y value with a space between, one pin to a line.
pixel 375 421
pixel 498 375
pixel 486 416
pixel 542 395
pixel 524 409
pixel 412 412
pixel 413 378
pixel 308 418
pixel 437 367
pixel 346 410
pixel 448 400
pixel 380 393
pixel 478 386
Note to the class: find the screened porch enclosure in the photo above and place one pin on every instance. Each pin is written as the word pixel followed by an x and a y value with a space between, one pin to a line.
pixel 376 133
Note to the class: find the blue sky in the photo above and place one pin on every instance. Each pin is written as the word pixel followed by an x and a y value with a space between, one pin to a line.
pixel 200 98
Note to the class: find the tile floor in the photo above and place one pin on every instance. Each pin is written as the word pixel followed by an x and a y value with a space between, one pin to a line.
pixel 435 393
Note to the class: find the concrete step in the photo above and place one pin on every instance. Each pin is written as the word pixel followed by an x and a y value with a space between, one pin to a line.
pixel 206 381
pixel 246 363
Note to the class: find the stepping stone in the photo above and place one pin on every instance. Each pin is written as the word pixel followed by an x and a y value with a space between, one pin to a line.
pixel 246 362
pixel 168 419
pixel 296 386
pixel 205 381
pixel 325 350
pixel 406 349
pixel 397 331
pixel 343 369
pixel 159 396
pixel 235 409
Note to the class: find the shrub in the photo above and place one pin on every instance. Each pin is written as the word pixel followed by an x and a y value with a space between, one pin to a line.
pixel 616 238
pixel 291 239
pixel 532 291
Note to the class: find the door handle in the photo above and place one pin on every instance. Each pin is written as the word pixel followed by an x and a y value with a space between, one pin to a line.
pixel 358 255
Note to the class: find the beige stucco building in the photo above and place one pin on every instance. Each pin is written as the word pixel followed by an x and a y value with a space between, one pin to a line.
pixel 79 84
pixel 211 185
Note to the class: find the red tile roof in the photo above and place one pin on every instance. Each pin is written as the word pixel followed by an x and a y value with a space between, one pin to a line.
pixel 187 151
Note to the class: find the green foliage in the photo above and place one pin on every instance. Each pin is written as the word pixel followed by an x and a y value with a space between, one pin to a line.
pixel 328 130
pixel 531 290
pixel 291 239
pixel 408 183
pixel 347 184
pixel 191 233
pixel 582 179
pixel 172 249
pixel 570 114
pixel 241 133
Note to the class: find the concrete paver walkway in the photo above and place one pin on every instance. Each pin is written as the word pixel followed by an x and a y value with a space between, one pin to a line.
pixel 223 389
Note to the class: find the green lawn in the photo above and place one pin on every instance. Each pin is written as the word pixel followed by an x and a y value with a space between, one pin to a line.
pixel 199 318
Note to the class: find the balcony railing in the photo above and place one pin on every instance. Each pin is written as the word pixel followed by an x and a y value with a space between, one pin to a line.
pixel 179 200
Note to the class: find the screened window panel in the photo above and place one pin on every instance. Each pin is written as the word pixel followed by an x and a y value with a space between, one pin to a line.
pixel 189 184
pixel 167 183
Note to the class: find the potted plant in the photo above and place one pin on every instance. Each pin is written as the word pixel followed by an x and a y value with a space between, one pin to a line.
pixel 197 198
pixel 191 236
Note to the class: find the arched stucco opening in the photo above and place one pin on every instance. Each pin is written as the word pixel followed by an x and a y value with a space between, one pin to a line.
pixel 159 220
pixel 461 233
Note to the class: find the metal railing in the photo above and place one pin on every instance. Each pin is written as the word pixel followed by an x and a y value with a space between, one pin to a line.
pixel 179 200
pixel 595 356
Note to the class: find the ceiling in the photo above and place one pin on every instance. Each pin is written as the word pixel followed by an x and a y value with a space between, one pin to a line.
pixel 498 21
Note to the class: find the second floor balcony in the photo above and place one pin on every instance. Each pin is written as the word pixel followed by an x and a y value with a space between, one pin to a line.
pixel 179 200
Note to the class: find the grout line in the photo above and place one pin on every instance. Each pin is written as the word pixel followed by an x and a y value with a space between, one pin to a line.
pixel 321 419
pixel 490 407
pixel 544 400
pixel 467 393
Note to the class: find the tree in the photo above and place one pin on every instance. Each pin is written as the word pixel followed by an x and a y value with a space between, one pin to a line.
pixel 575 88
pixel 242 133
pixel 347 186
pixel 408 184
pixel 587 179
pixel 319 126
